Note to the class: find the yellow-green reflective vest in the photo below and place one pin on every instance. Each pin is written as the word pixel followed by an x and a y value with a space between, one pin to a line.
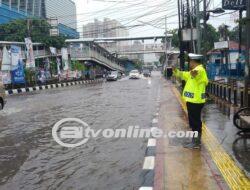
pixel 195 88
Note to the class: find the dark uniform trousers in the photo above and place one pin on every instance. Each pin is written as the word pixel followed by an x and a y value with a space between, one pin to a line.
pixel 194 116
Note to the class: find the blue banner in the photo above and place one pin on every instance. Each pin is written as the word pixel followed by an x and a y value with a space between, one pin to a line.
pixel 17 74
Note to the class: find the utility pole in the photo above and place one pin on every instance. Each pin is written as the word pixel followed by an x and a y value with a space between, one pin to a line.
pixel 166 41
pixel 240 30
pixel 204 28
pixel 28 28
pixel 246 97
pixel 180 19
pixel 198 27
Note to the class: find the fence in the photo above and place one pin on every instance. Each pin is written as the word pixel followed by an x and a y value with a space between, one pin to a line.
pixel 229 92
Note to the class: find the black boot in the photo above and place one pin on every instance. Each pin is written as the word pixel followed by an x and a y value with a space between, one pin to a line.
pixel 195 144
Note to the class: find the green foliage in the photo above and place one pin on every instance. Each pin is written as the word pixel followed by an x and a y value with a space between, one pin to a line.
pixel 17 30
pixel 53 67
pixel 162 59
pixel 76 65
pixel 209 36
pixel 30 75
pixel 175 38
pixel 234 34
pixel 138 64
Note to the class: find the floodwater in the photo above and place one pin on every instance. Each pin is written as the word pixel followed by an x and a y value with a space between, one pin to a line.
pixel 31 159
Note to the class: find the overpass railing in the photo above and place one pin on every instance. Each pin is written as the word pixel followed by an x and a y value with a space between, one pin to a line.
pixel 103 58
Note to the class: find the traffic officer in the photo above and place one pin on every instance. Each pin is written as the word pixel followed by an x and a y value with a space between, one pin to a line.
pixel 194 94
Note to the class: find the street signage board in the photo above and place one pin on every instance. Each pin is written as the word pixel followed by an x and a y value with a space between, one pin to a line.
pixel 54 32
pixel 221 45
pixel 188 33
pixel 234 4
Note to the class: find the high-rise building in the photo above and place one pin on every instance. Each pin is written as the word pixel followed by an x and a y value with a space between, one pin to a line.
pixel 105 29
pixel 62 10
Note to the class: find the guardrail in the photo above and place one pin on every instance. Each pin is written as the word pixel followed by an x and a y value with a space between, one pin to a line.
pixel 228 92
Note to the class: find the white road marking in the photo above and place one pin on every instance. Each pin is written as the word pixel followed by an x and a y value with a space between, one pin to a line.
pixel 149 82
pixel 149 163
pixel 155 120
pixel 15 91
pixel 151 142
pixel 146 188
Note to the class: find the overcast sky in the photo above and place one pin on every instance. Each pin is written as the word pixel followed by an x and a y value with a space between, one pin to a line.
pixel 135 13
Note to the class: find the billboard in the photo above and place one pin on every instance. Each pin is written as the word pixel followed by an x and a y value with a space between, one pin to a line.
pixel 17 74
pixel 17 71
pixel 30 61
pixel 5 77
pixel 6 61
pixel 15 56
pixel 65 59
pixel 234 4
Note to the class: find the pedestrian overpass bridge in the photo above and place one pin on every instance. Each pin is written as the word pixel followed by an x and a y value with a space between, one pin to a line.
pixel 91 51
pixel 138 49
pixel 100 51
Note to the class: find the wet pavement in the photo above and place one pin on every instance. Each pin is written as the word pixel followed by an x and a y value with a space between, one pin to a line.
pixel 218 116
pixel 178 167
pixel 31 159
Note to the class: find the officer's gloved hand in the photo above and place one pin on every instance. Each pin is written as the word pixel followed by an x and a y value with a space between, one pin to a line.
pixel 194 73
pixel 173 67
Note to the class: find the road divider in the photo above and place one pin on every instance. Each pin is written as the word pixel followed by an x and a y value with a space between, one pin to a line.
pixel 50 86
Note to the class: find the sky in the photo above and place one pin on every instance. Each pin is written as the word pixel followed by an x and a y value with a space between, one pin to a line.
pixel 142 17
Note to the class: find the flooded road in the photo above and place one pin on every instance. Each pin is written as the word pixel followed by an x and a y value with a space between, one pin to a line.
pixel 31 159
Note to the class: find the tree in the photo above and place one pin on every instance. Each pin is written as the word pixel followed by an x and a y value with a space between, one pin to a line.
pixel 162 59
pixel 17 30
pixel 175 38
pixel 209 36
pixel 76 65
pixel 138 64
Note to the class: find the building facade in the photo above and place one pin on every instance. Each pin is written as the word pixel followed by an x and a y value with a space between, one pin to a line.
pixel 105 29
pixel 62 10
pixel 226 63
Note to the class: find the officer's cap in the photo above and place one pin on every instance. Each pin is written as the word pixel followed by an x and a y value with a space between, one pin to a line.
pixel 193 56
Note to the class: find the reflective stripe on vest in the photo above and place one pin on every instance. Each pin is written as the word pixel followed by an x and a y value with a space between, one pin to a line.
pixel 189 94
pixel 203 95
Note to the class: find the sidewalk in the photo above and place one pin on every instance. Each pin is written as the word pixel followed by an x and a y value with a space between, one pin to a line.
pixel 180 168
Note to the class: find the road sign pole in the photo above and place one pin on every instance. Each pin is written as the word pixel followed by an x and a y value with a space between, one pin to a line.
pixel 246 99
